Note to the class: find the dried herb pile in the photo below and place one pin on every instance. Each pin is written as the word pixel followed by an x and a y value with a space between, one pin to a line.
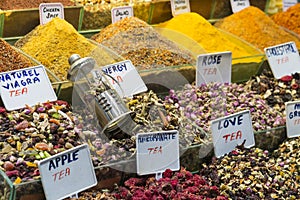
pixel 12 59
pixel 133 39
pixel 254 26
pixel 21 4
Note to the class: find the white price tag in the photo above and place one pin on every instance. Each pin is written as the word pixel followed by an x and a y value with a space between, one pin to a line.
pixel 25 86
pixel 180 6
pixel 283 59
pixel 122 12
pixel 157 151
pixel 126 79
pixel 238 5
pixel 214 67
pixel 293 118
pixel 288 3
pixel 67 173
pixel 48 11
pixel 232 130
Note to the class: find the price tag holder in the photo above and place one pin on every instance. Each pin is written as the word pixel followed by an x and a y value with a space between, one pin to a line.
pixel 292 118
pixel 48 11
pixel 126 79
pixel 121 12
pixel 232 130
pixel 157 151
pixel 67 173
pixel 283 59
pixel 288 3
pixel 238 5
pixel 180 6
pixel 25 86
pixel 214 67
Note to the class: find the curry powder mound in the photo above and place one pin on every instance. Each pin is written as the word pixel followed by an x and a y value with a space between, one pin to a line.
pixel 254 26
pixel 53 43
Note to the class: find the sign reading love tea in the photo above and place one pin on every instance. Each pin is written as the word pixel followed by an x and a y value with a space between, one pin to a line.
pixel 232 130
pixel 292 118
pixel 122 12
pixel 48 11
pixel 25 86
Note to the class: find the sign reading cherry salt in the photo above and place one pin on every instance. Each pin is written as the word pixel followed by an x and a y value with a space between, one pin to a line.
pixel 180 6
pixel 25 86
pixel 283 59
pixel 292 118
pixel 232 130
pixel 238 5
pixel 48 11
pixel 67 173
pixel 122 12
pixel 157 151
pixel 288 3
pixel 126 80
pixel 214 67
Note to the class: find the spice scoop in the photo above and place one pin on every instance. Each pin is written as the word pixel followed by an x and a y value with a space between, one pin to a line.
pixel 93 90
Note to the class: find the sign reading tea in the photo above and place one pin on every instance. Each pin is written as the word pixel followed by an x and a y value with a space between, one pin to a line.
pixel 25 86
pixel 48 11
pixel 232 130
pixel 122 12
pixel 292 118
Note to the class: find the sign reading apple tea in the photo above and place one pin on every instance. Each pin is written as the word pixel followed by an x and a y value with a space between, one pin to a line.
pixel 157 151
pixel 180 6
pixel 232 130
pixel 48 11
pixel 121 12
pixel 67 173
pixel 125 78
pixel 25 86
pixel 292 118
pixel 214 67
pixel 238 5
pixel 283 59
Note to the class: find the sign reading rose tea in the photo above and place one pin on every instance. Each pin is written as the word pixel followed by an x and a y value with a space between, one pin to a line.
pixel 232 130
pixel 25 86
pixel 180 6
pixel 284 59
pixel 67 173
pixel 122 12
pixel 214 67
pixel 292 118
pixel 48 11
pixel 157 151
pixel 238 5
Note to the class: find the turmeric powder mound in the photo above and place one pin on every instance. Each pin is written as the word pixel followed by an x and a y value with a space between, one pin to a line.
pixel 209 37
pixel 53 43
pixel 254 26
pixel 289 19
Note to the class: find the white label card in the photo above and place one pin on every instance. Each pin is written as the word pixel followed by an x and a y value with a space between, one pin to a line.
pixel 180 6
pixel 122 12
pixel 238 5
pixel 157 151
pixel 283 59
pixel 232 130
pixel 48 11
pixel 288 3
pixel 292 118
pixel 25 86
pixel 127 81
pixel 67 173
pixel 214 67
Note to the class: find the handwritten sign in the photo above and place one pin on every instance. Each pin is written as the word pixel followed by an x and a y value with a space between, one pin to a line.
pixel 48 11
pixel 214 67
pixel 25 86
pixel 238 5
pixel 232 130
pixel 122 12
pixel 288 3
pixel 67 173
pixel 126 80
pixel 283 59
pixel 157 151
pixel 292 118
pixel 180 6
